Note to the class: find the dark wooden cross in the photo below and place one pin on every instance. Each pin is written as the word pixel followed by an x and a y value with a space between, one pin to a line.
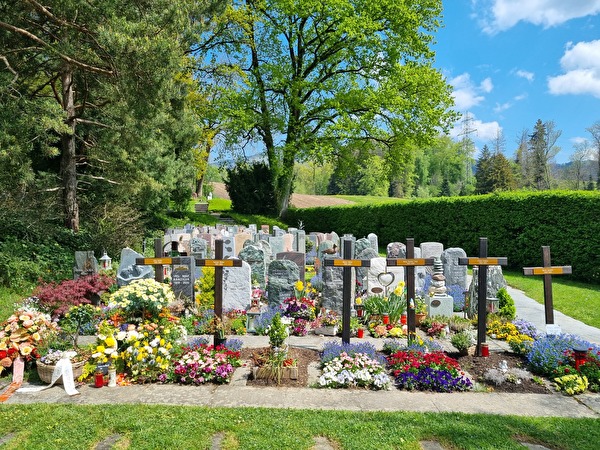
pixel 409 263
pixel 218 263
pixel 347 264
pixel 483 261
pixel 548 270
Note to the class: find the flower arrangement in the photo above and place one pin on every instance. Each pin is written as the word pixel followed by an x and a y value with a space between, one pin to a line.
pixel 333 349
pixel 526 328
pixel 437 329
pixel 431 371
pixel 299 327
pixel 520 344
pixel 142 299
pixel 328 318
pixel 150 348
pixel 499 329
pixel 358 370
pixel 550 351
pixel 21 334
pixel 301 305
pixel 572 384
pixel 200 364
pixel 78 320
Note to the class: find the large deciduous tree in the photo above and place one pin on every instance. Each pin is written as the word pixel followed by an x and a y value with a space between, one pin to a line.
pixel 94 83
pixel 316 76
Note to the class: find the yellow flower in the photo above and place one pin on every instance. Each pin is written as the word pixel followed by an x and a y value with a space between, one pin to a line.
pixel 100 349
pixel 299 286
pixel 110 341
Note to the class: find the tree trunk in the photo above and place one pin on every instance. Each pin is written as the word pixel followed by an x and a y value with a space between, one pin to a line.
pixel 68 163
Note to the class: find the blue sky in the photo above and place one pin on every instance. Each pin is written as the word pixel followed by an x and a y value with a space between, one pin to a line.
pixel 512 62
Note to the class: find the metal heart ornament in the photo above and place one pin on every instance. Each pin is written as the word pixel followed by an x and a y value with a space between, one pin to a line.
pixel 386 278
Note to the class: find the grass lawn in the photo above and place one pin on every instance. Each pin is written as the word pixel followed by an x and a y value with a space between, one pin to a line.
pixel 45 426
pixel 573 298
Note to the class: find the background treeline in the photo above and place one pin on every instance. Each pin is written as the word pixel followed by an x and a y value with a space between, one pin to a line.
pixel 517 225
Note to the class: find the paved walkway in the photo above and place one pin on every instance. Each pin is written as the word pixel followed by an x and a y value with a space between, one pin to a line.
pixel 238 394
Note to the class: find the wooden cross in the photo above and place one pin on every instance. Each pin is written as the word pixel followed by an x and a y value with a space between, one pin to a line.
pixel 347 264
pixel 483 261
pixel 548 270
pixel 409 263
pixel 218 263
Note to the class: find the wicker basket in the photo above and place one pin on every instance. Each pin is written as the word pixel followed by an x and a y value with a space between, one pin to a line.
pixel 45 371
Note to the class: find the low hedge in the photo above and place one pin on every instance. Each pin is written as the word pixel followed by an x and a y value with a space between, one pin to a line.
pixel 517 225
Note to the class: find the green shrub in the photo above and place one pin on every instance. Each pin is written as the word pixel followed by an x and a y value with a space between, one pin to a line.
pixel 506 305
pixel 250 189
pixel 517 225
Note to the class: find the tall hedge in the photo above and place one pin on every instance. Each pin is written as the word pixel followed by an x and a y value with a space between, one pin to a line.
pixel 517 225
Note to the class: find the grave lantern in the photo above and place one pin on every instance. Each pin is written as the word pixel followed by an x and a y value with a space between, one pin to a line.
pixel 106 261
pixel 251 315
pixel 580 355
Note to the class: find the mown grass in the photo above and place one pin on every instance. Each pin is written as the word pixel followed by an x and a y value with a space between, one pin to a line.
pixel 46 426
pixel 369 199
pixel 573 298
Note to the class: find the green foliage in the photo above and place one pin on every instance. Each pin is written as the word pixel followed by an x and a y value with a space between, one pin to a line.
pixel 205 297
pixel 278 332
pixel 250 189
pixel 506 305
pixel 517 225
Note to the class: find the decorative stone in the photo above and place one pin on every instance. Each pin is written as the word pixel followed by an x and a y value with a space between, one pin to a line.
pixel 282 276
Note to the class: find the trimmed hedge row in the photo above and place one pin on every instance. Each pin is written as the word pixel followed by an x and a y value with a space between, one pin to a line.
pixel 517 225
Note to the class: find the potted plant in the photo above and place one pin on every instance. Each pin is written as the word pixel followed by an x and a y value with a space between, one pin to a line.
pixel 462 341
pixel 420 309
pixel 327 323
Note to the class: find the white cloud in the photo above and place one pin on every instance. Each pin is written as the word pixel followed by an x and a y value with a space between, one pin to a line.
pixel 529 76
pixel 581 63
pixel 502 107
pixel 466 94
pixel 500 15
pixel 486 85
pixel 483 131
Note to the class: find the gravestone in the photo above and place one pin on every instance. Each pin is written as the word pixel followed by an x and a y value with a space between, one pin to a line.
pixel 363 272
pixel 282 276
pixel 326 248
pixel 300 241
pixel 265 229
pixel 378 267
pixel 298 257
pixel 183 278
pixel 288 242
pixel 276 243
pixel 239 240
pixel 374 240
pixel 198 248
pixel 129 270
pixel 334 237
pixel 431 250
pixel 333 283
pixel 456 275
pixel 237 288
pixel 312 253
pixel 255 257
pixel 495 282
pixel 396 250
pixel 266 247
pixel 228 247
pixel 343 249
pixel 360 245
pixel 85 264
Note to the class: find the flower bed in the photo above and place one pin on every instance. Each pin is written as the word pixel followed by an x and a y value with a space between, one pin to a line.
pixel 428 372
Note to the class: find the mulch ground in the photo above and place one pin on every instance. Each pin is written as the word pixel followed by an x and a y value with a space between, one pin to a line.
pixel 475 366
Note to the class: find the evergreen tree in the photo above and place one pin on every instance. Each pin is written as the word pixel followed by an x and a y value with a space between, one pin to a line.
pixel 483 170
pixel 501 174
pixel 594 130
pixel 537 149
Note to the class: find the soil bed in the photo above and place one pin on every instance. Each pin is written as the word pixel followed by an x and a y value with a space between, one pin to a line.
pixel 303 357
pixel 477 366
